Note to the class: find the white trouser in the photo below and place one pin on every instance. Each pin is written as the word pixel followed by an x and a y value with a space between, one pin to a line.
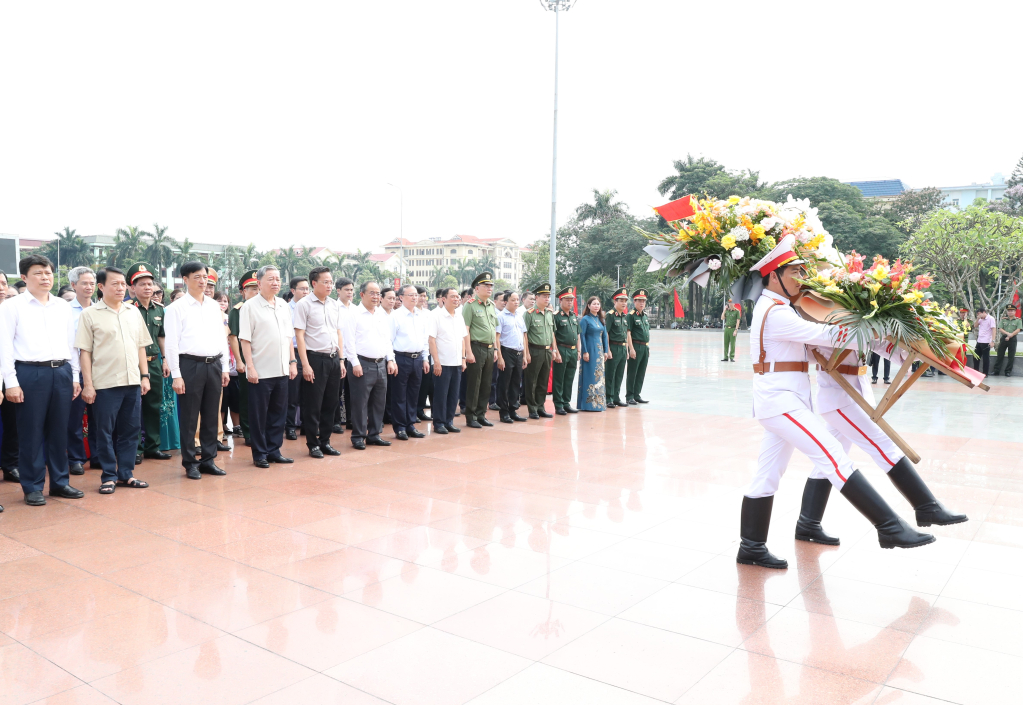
pixel 850 425
pixel 802 430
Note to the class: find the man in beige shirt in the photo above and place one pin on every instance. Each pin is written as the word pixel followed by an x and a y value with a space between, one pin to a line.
pixel 265 330
pixel 112 339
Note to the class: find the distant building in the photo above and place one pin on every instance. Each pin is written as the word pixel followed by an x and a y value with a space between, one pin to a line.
pixel 425 257
pixel 963 196
pixel 885 190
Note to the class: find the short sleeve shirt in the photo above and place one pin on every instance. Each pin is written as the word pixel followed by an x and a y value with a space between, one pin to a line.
pixel 1010 324
pixel 113 338
pixel 233 321
pixel 268 328
pixel 481 319
pixel 731 318
pixel 540 327
pixel 321 321
pixel 566 328
pixel 153 318
pixel 617 326
pixel 639 326
pixel 511 327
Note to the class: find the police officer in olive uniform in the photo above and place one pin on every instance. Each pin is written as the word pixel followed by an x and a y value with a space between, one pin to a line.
pixel 617 321
pixel 142 282
pixel 480 316
pixel 540 336
pixel 566 333
pixel 249 287
pixel 731 318
pixel 639 348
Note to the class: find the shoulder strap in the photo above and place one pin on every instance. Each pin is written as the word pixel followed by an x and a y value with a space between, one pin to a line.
pixel 763 324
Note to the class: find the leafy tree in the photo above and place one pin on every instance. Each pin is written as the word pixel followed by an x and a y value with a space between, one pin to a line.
pixel 639 278
pixel 1012 201
pixel 159 252
pixel 501 285
pixel 599 285
pixel 854 231
pixel 447 282
pixel 67 250
pixel 268 258
pixel 128 247
pixel 289 260
pixel 1016 179
pixel 706 176
pixel 603 210
pixel 819 189
pixel 910 209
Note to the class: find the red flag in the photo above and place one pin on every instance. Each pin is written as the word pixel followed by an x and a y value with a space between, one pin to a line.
pixel 575 300
pixel 679 311
pixel 676 210
pixel 1015 302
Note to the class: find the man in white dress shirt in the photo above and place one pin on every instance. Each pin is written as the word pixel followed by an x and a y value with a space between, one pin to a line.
pixel 345 293
pixel 39 364
pixel 368 351
pixel 449 346
pixel 299 290
pixel 197 356
pixel 411 351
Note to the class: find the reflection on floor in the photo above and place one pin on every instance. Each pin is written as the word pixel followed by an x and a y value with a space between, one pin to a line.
pixel 582 559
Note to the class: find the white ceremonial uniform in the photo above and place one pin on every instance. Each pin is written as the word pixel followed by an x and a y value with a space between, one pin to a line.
pixel 782 401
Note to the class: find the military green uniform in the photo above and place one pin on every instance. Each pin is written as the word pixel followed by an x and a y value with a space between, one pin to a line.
pixel 639 329
pixel 481 320
pixel 566 332
pixel 540 331
pixel 152 401
pixel 731 323
pixel 233 325
pixel 614 369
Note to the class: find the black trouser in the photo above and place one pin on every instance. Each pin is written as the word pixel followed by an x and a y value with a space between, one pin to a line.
pixel 343 412
pixel 508 380
pixel 404 388
pixel 75 431
pixel 268 407
pixel 445 395
pixel 426 391
pixel 982 361
pixel 320 398
pixel 368 393
pixel 118 422
pixel 493 384
pixel 1006 345
pixel 203 385
pixel 294 396
pixel 42 423
pixel 477 387
pixel 875 359
pixel 9 445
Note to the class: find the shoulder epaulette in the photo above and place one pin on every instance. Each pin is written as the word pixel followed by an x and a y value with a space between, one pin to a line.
pixel 239 304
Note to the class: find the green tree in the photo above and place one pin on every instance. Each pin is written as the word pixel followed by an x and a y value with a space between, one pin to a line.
pixel 639 278
pixel 268 258
pixel 289 260
pixel 159 253
pixel 706 176
pixel 1016 179
pixel 910 209
pixel 448 282
pixel 67 250
pixel 128 247
pixel 599 285
pixel 603 210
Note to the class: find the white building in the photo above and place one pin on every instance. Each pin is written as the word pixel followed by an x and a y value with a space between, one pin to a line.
pixel 963 196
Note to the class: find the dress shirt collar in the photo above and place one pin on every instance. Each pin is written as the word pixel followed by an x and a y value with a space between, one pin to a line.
pixel 274 302
pixel 781 299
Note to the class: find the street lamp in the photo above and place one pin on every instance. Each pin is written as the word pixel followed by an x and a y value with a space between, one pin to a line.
pixel 401 232
pixel 558 6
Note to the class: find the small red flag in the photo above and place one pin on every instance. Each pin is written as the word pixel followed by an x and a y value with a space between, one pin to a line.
pixel 676 210
pixel 575 300
pixel 679 311
pixel 1015 302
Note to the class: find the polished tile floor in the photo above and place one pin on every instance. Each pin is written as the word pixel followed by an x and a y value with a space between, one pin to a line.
pixel 578 560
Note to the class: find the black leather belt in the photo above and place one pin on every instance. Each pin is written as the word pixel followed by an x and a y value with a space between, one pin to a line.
pixel 408 354
pixel 615 342
pixel 150 358
pixel 374 360
pixel 197 358
pixel 640 342
pixel 321 354
pixel 43 363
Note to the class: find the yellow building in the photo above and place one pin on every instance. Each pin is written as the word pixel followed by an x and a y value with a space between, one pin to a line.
pixel 423 258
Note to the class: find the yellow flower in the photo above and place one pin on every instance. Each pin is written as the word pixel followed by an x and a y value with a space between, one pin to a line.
pixel 770 242
pixel 913 297
pixel 874 287
pixel 816 242
pixel 873 303
pixel 728 242
pixel 832 289
pixel 880 272
pixel 758 232
pixel 732 200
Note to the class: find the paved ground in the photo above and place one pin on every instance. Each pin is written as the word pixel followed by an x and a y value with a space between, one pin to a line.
pixel 587 559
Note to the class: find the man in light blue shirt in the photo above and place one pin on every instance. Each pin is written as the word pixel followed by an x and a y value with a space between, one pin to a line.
pixel 511 329
pixel 410 342
pixel 83 281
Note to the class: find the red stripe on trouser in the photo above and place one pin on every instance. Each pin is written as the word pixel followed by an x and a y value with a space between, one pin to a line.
pixel 869 439
pixel 818 445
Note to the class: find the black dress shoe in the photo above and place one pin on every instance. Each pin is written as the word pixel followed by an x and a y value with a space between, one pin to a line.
pixel 610 404
pixel 423 417
pixel 401 435
pixel 35 499
pixel 473 423
pixel 138 458
pixel 74 469
pixel 315 452
pixel 542 413
pixel 534 415
pixel 724 359
pixel 440 429
pixel 506 419
pixel 210 468
pixel 494 407
pixel 237 432
pixel 328 449
pixel 278 458
pixel 416 433
pixel 570 410
pixel 377 441
pixel 157 455
pixel 291 434
pixel 65 491
pixel 632 402
pixel 560 412
pixel 458 413
pixel 516 417
pixel 223 447
pixel 193 474
pixel 337 428
pixel 887 381
pixel 641 400
pixel 485 422
pixel 261 463
pixel 358 444
pixel 452 429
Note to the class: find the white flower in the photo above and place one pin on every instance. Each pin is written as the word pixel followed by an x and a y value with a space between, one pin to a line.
pixel 740 233
pixel 769 222
pixel 714 264
pixel 737 253
pixel 855 276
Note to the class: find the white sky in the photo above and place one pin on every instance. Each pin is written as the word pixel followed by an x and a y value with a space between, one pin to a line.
pixel 282 122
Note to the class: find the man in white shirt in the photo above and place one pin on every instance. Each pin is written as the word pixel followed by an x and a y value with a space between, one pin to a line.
pixel 368 351
pixel 83 282
pixel 510 361
pixel 299 290
pixel 342 413
pixel 266 330
pixel 411 349
pixel 197 356
pixel 40 368
pixel 319 325
pixel 449 345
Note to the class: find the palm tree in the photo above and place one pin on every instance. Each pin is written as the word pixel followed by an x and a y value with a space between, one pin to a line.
pixel 128 247
pixel 438 275
pixel 159 252
pixel 68 250
pixel 289 260
pixel 250 257
pixel 599 285
pixel 603 210
pixel 661 294
pixel 354 264
pixel 485 263
pixel 185 250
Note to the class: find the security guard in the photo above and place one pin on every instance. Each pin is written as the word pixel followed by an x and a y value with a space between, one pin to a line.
pixel 540 336
pixel 617 322
pixel 249 287
pixel 143 282
pixel 639 348
pixel 731 317
pixel 480 316
pixel 566 333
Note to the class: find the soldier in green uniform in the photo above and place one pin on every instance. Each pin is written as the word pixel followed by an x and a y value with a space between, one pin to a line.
pixel 249 287
pixel 143 283
pixel 617 321
pixel 639 348
pixel 731 317
pixel 540 337
pixel 480 316
pixel 566 333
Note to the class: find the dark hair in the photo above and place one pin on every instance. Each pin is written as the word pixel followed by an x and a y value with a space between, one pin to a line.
pixel 499 296
pixel 441 292
pixel 420 289
pixel 315 272
pixel 600 313
pixel 3 274
pixel 176 294
pixel 63 290
pixel 466 292
pixel 190 268
pixel 20 284
pixel 288 296
pixel 384 291
pixel 221 296
pixel 342 283
pixel 981 309
pixel 295 281
pixel 27 263
pixel 101 274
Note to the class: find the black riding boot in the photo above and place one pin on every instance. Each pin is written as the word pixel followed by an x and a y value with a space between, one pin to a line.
pixel 928 509
pixel 892 531
pixel 755 523
pixel 815 499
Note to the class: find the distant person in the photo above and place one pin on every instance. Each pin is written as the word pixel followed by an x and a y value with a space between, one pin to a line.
pixel 639 349
pixel 388 300
pixel 83 286
pixel 511 362
pixel 249 286
pixel 410 342
pixel 617 323
pixel 9 415
pixel 176 294
pixel 299 289
pixel 368 349
pixel 731 317
pixel 342 414
pixel 1008 328
pixel 449 347
pixel 985 336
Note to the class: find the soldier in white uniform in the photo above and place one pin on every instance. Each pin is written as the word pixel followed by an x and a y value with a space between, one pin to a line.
pixel 783 406
pixel 848 423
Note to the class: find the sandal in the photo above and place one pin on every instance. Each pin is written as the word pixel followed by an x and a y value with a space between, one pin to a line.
pixel 134 483
pixel 106 488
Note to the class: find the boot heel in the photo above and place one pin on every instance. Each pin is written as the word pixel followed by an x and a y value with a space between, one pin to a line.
pixel 892 531
pixel 928 509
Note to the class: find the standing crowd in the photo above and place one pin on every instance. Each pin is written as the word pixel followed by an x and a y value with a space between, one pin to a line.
pixel 144 378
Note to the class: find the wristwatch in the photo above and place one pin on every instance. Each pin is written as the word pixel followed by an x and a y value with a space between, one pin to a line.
pixel 292 362
pixel 146 376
